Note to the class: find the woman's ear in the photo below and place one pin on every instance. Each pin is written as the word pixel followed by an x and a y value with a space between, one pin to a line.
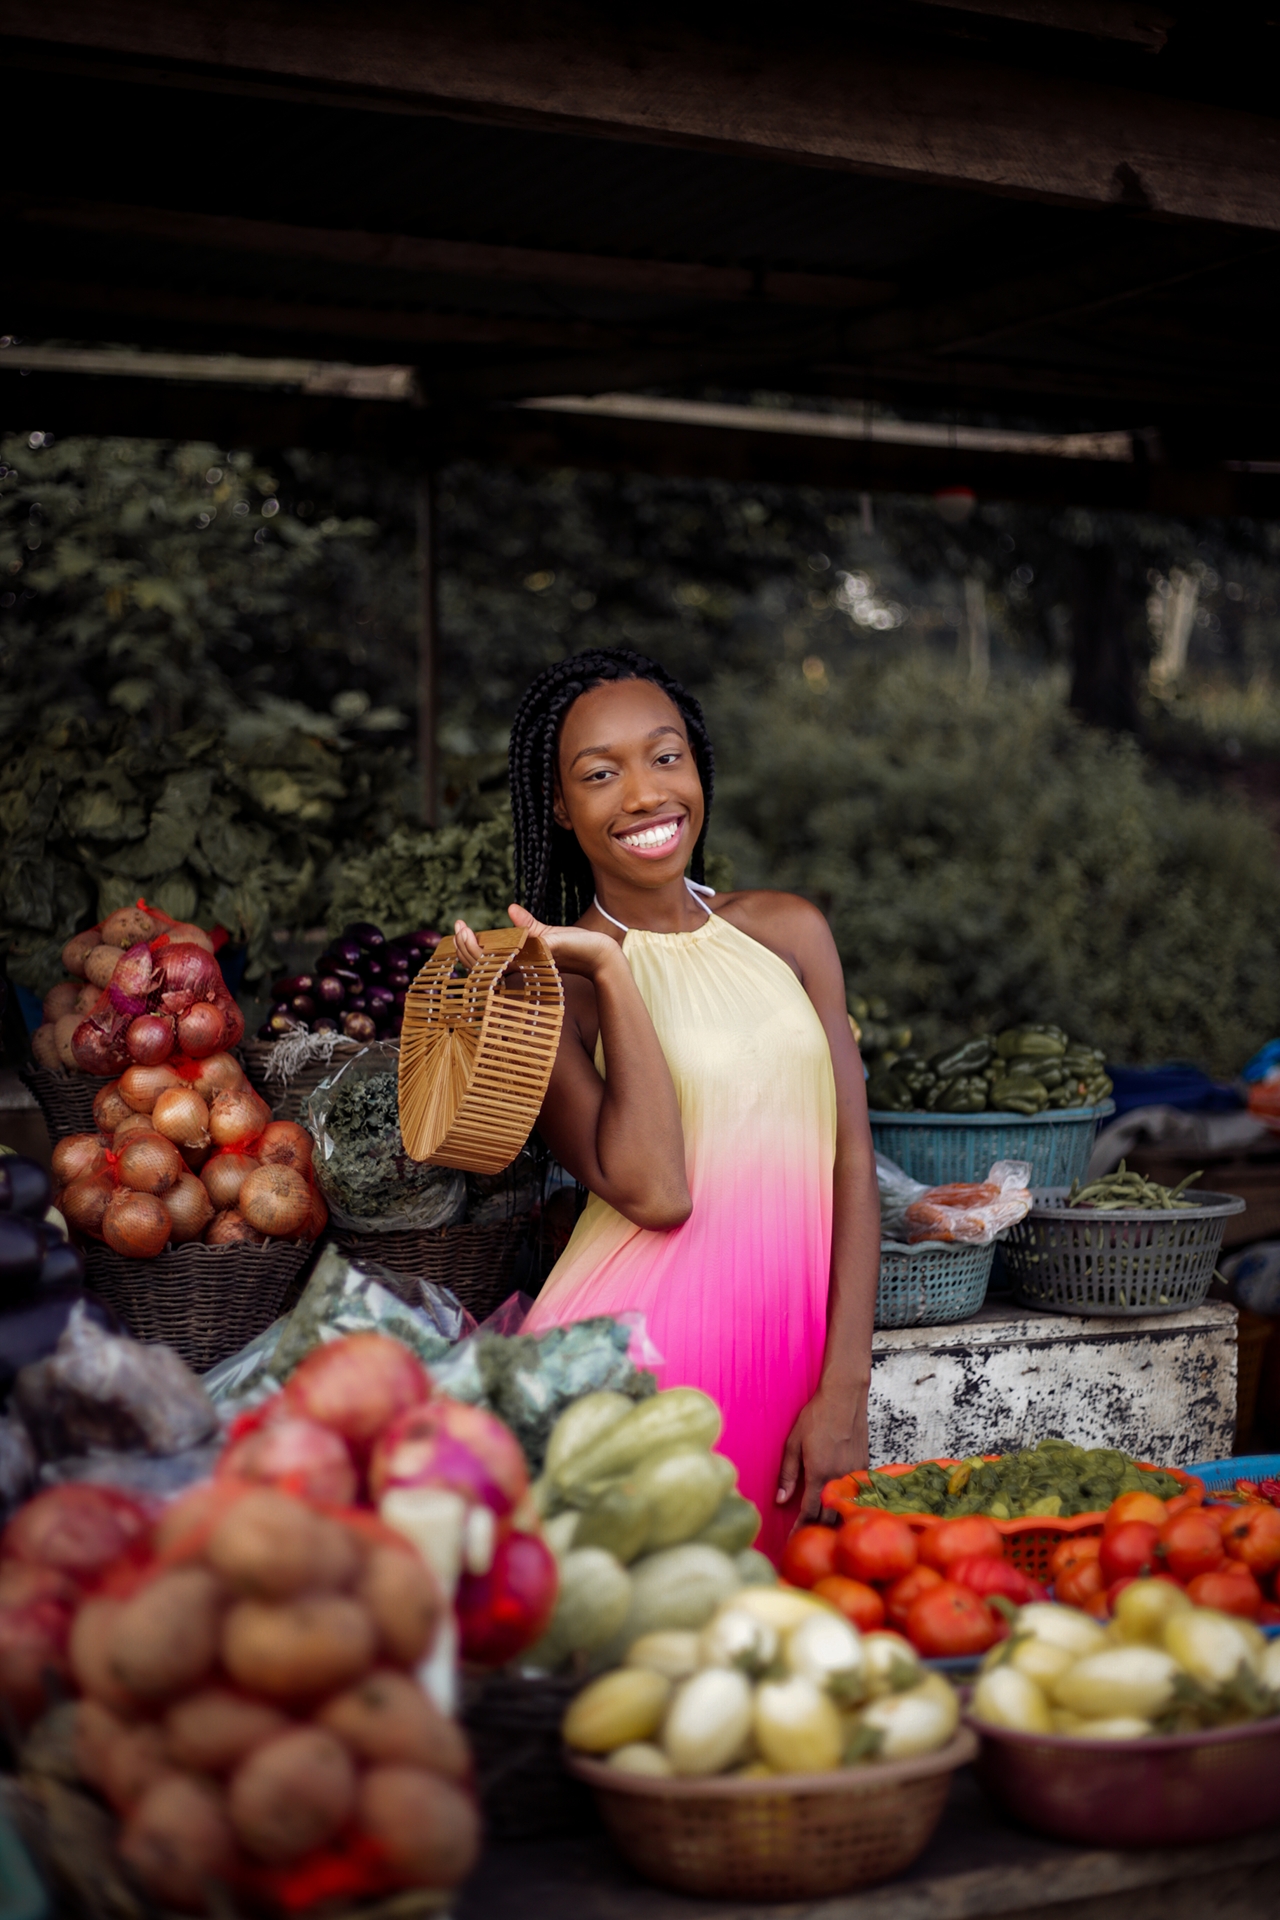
pixel 559 812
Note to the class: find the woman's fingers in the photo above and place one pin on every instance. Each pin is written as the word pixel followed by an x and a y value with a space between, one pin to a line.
pixel 468 948
pixel 789 1472
pixel 521 917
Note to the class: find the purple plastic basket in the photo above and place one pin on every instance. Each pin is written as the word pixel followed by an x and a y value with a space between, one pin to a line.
pixel 1172 1790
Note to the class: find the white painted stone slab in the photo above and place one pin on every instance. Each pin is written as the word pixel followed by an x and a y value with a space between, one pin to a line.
pixel 1163 1387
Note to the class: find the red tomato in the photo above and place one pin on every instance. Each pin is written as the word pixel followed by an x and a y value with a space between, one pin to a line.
pixel 1128 1552
pixel 1081 1584
pixel 987 1577
pixel 878 1551
pixel 904 1593
pixel 963 1539
pixel 1099 1608
pixel 1183 1503
pixel 809 1555
pixel 949 1621
pixel 1252 1538
pixel 1074 1552
pixel 1190 1544
pixel 1268 1614
pixel 1134 1506
pixel 856 1600
pixel 1231 1589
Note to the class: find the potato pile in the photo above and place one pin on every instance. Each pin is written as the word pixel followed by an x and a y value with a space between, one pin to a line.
pixel 250 1712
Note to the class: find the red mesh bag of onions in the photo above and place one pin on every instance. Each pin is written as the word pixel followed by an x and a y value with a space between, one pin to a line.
pixel 147 988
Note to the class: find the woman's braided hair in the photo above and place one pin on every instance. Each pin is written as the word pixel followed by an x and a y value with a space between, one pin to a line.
pixel 552 873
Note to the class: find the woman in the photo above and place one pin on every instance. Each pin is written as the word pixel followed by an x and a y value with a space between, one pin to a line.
pixel 707 1089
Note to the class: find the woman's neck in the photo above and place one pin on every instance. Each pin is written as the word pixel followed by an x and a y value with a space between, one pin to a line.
pixel 670 908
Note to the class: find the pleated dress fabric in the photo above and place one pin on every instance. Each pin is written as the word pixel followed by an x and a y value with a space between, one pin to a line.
pixel 735 1300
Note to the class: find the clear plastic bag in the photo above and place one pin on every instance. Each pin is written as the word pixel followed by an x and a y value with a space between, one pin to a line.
pixel 897 1191
pixel 370 1182
pixel 975 1212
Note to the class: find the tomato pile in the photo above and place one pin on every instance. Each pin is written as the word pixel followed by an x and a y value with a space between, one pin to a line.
pixel 946 1586
pixel 1226 1557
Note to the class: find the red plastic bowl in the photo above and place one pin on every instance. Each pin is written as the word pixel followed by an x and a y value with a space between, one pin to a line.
pixel 1171 1790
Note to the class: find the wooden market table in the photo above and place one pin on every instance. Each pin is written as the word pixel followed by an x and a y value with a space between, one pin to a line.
pixel 977 1865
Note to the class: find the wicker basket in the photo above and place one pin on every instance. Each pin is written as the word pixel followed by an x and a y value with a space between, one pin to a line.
pixel 64 1098
pixel 941 1147
pixel 798 1837
pixel 931 1283
pixel 477 1264
pixel 513 1724
pixel 204 1302
pixel 1116 1264
pixel 476 1052
pixel 289 1101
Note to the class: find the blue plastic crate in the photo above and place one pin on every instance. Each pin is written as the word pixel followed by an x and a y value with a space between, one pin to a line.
pixel 1220 1476
pixel 931 1283
pixel 940 1147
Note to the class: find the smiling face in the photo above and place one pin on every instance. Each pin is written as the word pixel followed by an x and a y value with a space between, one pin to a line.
pixel 629 787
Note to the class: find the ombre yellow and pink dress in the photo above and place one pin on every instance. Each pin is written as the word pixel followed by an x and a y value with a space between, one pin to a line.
pixel 735 1300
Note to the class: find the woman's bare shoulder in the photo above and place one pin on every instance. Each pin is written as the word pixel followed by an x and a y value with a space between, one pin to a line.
pixel 784 922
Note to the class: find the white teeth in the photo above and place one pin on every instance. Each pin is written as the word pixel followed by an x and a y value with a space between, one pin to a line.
pixel 652 836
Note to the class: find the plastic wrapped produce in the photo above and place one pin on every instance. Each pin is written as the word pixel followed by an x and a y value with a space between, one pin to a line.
pixel 368 1179
pixel 100 1390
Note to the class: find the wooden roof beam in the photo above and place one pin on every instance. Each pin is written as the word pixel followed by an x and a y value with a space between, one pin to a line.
pixel 802 91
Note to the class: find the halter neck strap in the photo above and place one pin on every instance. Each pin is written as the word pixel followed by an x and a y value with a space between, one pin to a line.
pixel 699 893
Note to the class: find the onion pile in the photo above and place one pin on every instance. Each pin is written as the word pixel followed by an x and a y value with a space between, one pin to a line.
pixel 176 1160
pixel 357 986
pixel 148 991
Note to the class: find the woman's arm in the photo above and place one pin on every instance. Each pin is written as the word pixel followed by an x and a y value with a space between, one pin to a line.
pixel 620 1136
pixel 829 1437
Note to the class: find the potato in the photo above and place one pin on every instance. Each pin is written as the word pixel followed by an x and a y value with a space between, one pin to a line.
pixel 294 1649
pixel 126 926
pixel 429 1830
pixel 165 1639
pixel 272 1546
pixel 61 999
pixel 100 964
pixel 388 1718
pixel 404 1599
pixel 292 1795
pixel 87 1648
pixel 185 1524
pixel 78 947
pixel 63 1029
pixel 214 1730
pixel 87 999
pixel 44 1047
pixel 177 1839
pixel 131 1760
pixel 95 1729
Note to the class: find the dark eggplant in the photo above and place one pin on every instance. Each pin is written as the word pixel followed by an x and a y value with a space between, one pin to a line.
pixel 357 1003
pixel 22 1250
pixel 303 1005
pixel 380 998
pixel 323 1024
pixel 24 1185
pixel 282 1023
pixel 31 1328
pixel 267 1032
pixel 63 1266
pixel 280 1006
pixel 325 963
pixel 398 979
pixel 351 981
pixel 398 1000
pixel 371 970
pixel 348 952
pixel 329 990
pixel 358 1026
pixel 426 937
pixel 367 935
pixel 294 983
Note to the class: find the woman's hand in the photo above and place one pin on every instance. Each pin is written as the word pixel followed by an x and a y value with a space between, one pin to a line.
pixel 828 1439
pixel 574 949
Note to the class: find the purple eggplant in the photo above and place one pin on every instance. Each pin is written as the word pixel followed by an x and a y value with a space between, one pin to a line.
pixel 267 1032
pixel 325 963
pixel 22 1251
pixel 302 1005
pixel 63 1266
pixel 348 952
pixel 349 977
pixel 358 1026
pixel 380 998
pixel 356 1003
pixel 398 1000
pixel 426 937
pixel 323 1024
pixel 294 983
pixel 24 1185
pixel 282 1023
pixel 371 970
pixel 329 990
pixel 366 934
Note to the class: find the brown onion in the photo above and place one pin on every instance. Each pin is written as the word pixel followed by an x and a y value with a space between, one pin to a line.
pixel 142 1086
pixel 78 948
pixel 149 1163
pixel 132 1123
pixel 136 1225
pixel 234 1033
pixel 76 1156
pixel 220 1073
pixel 285 1144
pixel 110 1107
pixel 224 1174
pixel 85 1201
pixel 150 1039
pixel 317 1219
pixel 236 1119
pixel 276 1200
pixel 182 1116
pixel 99 1049
pixel 182 932
pixel 189 969
pixel 230 1229
pixel 193 1158
pixel 189 1209
pixel 200 1030
pixel 61 999
pixel 100 964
